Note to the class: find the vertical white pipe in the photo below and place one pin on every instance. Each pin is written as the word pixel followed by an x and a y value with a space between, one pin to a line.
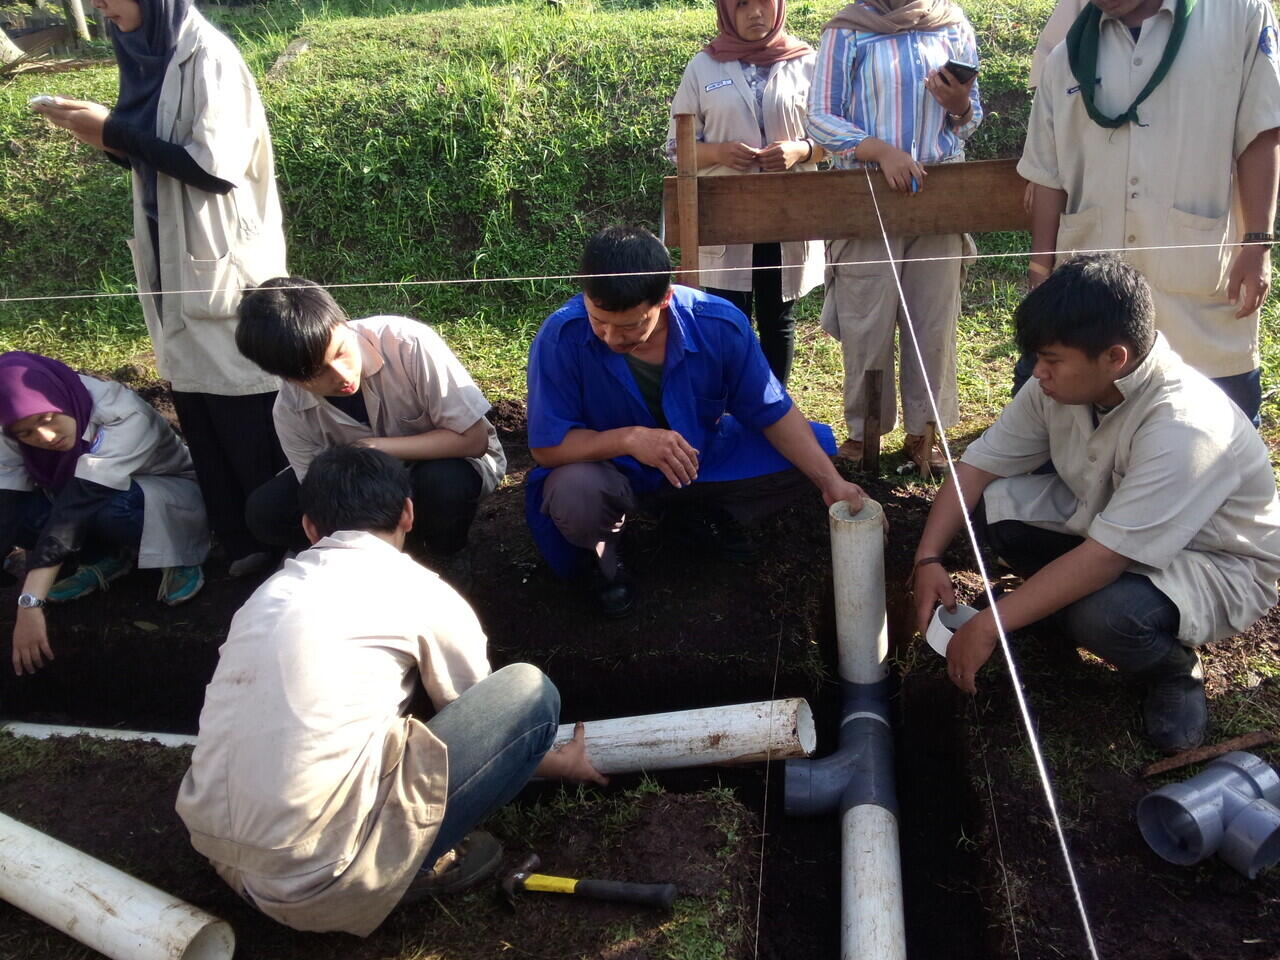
pixel 102 907
pixel 857 562
pixel 871 922
pixel 871 918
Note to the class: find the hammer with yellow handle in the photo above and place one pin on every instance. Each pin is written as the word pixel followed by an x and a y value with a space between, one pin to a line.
pixel 647 894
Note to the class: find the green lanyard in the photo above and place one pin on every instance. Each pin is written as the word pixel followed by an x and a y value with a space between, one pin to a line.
pixel 1082 54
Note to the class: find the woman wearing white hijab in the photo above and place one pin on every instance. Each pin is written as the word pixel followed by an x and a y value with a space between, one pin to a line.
pixel 190 125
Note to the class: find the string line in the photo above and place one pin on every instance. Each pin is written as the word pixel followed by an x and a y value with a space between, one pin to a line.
pixel 1014 677
pixel 764 814
pixel 465 281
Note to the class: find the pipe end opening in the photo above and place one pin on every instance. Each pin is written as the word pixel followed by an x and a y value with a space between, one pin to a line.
pixel 871 511
pixel 1170 830
pixel 806 731
pixel 214 941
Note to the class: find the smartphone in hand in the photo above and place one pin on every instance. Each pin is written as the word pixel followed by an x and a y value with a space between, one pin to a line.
pixel 964 72
pixel 42 99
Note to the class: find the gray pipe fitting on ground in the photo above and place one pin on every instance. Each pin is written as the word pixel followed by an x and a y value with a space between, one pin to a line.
pixel 1231 808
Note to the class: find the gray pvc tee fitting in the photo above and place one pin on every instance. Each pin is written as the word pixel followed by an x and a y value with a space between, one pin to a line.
pixel 1229 808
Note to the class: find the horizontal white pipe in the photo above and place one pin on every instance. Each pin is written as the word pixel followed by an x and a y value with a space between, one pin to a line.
pixel 871 917
pixel 857 564
pixel 743 733
pixel 102 907
pixel 43 731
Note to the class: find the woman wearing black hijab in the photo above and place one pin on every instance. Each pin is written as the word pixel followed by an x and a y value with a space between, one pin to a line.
pixel 190 125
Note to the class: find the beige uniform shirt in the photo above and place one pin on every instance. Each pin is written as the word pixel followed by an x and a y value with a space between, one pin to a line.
pixel 308 790
pixel 1171 180
pixel 128 440
pixel 1174 478
pixel 725 109
pixel 411 383
pixel 211 246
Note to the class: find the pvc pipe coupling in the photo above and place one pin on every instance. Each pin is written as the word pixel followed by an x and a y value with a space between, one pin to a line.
pixel 1229 808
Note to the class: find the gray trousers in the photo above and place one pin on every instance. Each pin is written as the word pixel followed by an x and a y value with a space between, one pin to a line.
pixel 863 310
pixel 590 502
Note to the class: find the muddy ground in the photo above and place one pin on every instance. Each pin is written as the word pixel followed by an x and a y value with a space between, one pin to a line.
pixel 705 633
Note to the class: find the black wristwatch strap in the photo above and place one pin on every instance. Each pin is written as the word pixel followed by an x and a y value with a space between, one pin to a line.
pixel 1259 238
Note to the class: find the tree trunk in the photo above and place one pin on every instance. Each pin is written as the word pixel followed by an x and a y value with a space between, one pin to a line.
pixel 9 51
pixel 75 20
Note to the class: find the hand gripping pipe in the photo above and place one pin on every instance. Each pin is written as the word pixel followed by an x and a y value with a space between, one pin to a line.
pixel 858 778
pixel 1229 808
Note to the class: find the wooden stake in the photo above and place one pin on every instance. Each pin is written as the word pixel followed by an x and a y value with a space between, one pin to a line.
pixel 1196 754
pixel 871 423
pixel 687 199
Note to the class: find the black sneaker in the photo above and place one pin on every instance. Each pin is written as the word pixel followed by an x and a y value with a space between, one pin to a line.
pixel 474 860
pixel 1175 713
pixel 615 597
pixel 711 531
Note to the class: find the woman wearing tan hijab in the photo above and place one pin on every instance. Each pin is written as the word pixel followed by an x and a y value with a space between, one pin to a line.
pixel 882 98
pixel 747 90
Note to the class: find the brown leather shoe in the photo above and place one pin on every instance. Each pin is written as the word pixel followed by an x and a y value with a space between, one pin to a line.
pixel 850 450
pixel 914 448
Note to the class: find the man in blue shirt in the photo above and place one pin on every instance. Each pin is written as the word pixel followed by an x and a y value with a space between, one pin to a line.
pixel 641 392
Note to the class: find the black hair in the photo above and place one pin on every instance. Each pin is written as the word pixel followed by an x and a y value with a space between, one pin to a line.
pixel 354 488
pixel 1091 303
pixel 625 250
pixel 286 325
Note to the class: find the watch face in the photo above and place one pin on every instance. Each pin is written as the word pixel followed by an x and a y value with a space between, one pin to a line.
pixel 30 600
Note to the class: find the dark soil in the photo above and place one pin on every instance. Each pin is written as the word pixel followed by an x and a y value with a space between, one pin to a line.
pixel 705 633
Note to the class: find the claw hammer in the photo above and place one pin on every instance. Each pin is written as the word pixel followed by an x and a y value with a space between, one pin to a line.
pixel 648 894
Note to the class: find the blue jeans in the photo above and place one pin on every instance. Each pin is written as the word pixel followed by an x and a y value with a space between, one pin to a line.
pixel 116 526
pixel 1130 623
pixel 1244 389
pixel 497 733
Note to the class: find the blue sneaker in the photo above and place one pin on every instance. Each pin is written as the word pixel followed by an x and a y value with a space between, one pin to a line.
pixel 90 577
pixel 180 584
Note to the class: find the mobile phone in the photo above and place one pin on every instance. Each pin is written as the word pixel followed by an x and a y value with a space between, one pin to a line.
pixel 44 98
pixel 964 72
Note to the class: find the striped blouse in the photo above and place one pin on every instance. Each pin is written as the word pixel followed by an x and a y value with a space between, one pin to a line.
pixel 872 85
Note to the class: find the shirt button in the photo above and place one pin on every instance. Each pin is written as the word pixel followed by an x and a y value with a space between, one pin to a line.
pixel 1137 61
pixel 1093 458
pixel 1133 196
pixel 1133 180
pixel 1131 238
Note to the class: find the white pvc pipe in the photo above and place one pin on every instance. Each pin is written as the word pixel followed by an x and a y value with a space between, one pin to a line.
pixel 713 736
pixel 871 914
pixel 743 733
pixel 857 563
pixel 101 906
pixel 871 920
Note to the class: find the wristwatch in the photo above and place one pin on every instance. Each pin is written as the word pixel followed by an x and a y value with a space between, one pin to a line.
pixel 1259 238
pixel 30 600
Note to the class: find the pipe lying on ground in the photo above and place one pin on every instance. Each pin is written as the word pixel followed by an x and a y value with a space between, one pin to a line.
pixel 1229 808
pixel 858 778
pixel 102 907
pixel 742 733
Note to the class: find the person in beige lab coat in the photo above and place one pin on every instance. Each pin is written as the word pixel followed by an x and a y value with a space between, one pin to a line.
pixel 190 126
pixel 1160 530
pixel 310 790
pixel 1155 132
pixel 89 471
pixel 747 90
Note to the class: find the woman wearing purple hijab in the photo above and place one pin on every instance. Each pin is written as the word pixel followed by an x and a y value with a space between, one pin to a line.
pixel 190 126
pixel 89 471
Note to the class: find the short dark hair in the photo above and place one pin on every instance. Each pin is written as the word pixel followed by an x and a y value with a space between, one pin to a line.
pixel 1090 303
pixel 354 488
pixel 625 250
pixel 286 325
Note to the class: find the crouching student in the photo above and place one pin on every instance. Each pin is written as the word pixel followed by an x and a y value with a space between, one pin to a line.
pixel 310 791
pixel 90 472
pixel 645 394
pixel 389 383
pixel 1160 531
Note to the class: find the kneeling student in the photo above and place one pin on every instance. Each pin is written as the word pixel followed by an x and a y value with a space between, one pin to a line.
pixel 646 394
pixel 389 383
pixel 310 791
pixel 1159 532
pixel 89 470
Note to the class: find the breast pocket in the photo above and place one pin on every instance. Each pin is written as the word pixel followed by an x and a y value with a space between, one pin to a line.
pixel 709 410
